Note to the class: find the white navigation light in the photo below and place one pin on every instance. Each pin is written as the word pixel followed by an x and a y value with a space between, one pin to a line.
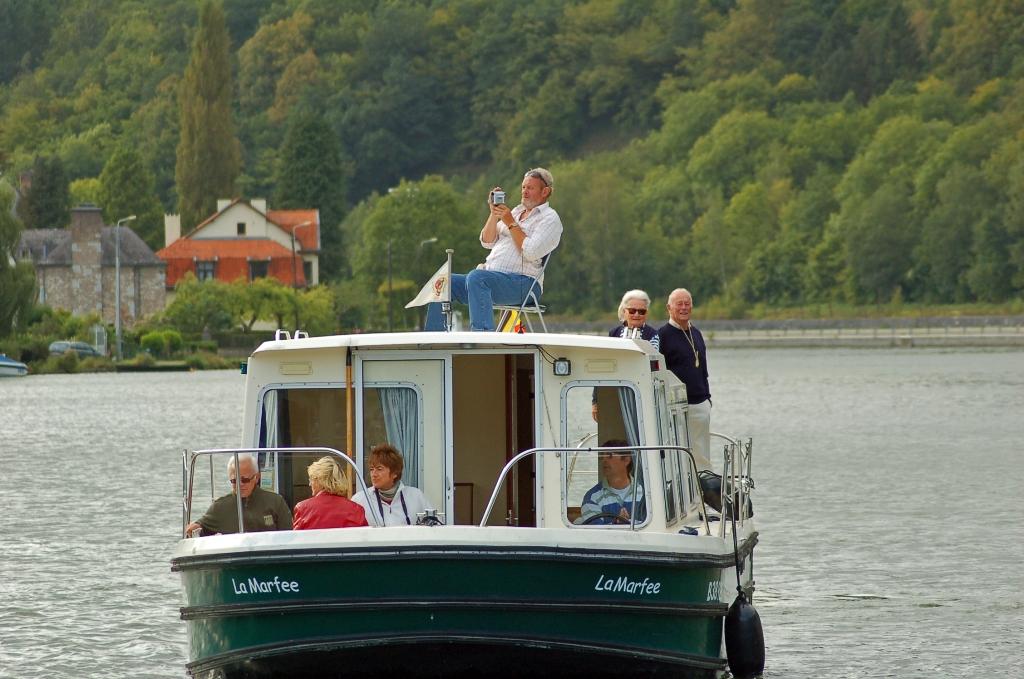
pixel 563 367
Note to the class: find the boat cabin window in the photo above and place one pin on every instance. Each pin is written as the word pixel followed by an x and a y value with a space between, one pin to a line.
pixel 299 416
pixel 669 466
pixel 603 488
pixel 683 460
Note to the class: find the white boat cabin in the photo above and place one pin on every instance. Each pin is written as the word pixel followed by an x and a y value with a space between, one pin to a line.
pixel 459 406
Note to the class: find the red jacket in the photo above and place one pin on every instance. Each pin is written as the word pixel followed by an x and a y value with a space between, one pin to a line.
pixel 324 510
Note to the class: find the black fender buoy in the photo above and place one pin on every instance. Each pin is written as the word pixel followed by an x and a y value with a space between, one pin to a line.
pixel 744 639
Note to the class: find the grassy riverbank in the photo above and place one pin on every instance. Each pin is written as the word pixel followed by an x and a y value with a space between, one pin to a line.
pixel 70 363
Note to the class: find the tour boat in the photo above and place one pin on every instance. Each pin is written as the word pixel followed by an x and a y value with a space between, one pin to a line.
pixel 504 433
pixel 11 368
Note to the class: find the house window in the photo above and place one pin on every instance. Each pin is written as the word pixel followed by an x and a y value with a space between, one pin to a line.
pixel 258 269
pixel 241 228
pixel 206 270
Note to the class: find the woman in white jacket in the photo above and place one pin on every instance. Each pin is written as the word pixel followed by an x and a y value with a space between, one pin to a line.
pixel 397 503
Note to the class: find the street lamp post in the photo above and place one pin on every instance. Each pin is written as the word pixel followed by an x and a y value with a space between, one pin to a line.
pixel 117 282
pixel 426 241
pixel 295 272
pixel 389 285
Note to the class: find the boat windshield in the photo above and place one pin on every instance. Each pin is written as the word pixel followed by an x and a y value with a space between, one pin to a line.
pixel 314 415
pixel 603 488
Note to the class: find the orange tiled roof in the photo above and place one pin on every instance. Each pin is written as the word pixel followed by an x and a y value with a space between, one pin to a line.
pixel 208 248
pixel 308 235
pixel 232 257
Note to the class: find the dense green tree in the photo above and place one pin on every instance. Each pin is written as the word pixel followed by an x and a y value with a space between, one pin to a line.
pixel 126 188
pixel 983 40
pixel 204 306
pixel 25 29
pixel 865 148
pixel 311 173
pixel 400 223
pixel 47 204
pixel 17 279
pixel 208 156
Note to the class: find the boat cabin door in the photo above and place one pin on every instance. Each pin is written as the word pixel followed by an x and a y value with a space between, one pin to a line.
pixel 493 419
pixel 402 402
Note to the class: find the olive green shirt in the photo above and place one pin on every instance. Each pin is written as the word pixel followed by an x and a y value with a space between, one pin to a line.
pixel 262 510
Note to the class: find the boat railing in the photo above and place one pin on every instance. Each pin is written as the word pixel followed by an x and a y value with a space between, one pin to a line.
pixel 737 481
pixel 558 451
pixel 188 468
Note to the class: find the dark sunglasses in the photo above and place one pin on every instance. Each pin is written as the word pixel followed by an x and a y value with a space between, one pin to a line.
pixel 537 175
pixel 639 312
pixel 245 479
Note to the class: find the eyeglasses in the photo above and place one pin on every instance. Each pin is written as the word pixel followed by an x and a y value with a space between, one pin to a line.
pixel 245 479
pixel 638 312
pixel 537 175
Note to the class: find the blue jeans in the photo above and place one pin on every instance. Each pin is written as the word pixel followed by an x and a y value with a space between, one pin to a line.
pixel 481 290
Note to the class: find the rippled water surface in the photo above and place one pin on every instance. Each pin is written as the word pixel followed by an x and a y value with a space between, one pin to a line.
pixel 890 499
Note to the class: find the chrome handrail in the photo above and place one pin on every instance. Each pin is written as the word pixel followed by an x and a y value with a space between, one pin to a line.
pixel 631 449
pixel 196 454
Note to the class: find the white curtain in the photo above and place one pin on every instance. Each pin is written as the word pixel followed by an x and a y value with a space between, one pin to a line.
pixel 400 422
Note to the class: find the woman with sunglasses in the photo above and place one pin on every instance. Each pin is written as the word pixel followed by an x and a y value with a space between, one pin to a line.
pixel 632 323
pixel 633 318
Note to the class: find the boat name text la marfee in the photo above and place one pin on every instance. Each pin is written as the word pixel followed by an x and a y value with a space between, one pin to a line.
pixel 624 584
pixel 257 586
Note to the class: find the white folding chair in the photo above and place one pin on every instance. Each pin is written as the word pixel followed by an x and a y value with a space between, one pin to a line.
pixel 530 304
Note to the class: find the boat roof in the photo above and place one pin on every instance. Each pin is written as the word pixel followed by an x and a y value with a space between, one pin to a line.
pixel 457 340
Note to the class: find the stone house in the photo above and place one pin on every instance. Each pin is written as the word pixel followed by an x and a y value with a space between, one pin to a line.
pixel 76 268
pixel 245 240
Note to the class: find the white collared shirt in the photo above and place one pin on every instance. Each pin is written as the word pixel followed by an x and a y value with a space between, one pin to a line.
pixel 543 230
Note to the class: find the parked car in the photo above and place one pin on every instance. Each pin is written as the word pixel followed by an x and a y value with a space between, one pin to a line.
pixel 83 349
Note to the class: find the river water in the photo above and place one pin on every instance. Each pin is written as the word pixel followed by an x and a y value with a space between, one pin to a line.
pixel 890 497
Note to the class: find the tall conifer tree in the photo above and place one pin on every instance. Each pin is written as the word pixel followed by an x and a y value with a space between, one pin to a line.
pixel 48 202
pixel 126 188
pixel 208 160
pixel 312 174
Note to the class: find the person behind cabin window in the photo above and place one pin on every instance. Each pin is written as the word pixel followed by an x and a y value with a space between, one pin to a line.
pixel 632 323
pixel 610 501
pixel 329 507
pixel 261 509
pixel 518 238
pixel 389 498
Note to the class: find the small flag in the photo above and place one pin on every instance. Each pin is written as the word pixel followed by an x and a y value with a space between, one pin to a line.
pixel 437 289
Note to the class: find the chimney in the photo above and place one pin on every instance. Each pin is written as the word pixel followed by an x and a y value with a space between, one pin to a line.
pixel 86 260
pixel 222 203
pixel 259 204
pixel 172 228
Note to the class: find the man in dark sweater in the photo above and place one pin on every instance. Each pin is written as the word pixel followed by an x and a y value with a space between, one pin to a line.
pixel 686 355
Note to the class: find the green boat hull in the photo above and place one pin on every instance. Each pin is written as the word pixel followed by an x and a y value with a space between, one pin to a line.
pixel 445 612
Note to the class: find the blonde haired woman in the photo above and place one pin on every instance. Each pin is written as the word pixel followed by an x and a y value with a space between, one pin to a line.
pixel 329 507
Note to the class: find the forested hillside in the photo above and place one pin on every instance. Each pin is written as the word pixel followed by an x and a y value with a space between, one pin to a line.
pixel 759 152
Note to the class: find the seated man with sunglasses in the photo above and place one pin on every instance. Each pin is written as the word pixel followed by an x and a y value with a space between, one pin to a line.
pixel 518 238
pixel 261 509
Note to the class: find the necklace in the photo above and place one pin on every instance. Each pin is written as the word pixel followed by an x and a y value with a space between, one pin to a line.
pixel 693 347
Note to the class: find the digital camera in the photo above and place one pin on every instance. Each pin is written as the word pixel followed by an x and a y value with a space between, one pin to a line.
pixel 498 197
